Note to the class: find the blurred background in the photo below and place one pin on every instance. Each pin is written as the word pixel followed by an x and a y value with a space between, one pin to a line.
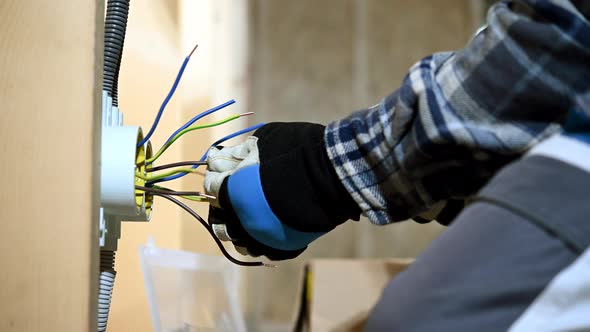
pixel 306 60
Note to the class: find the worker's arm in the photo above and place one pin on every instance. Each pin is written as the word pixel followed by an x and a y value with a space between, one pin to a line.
pixel 456 119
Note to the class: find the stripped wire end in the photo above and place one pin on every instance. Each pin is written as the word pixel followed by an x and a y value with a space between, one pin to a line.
pixel 208 196
pixel 269 265
pixel 246 114
pixel 147 137
pixel 193 51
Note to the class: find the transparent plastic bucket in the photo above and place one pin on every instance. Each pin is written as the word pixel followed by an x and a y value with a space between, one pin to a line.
pixel 191 292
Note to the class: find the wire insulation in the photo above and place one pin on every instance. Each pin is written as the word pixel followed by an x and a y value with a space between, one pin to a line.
pixel 167 99
pixel 191 198
pixel 166 191
pixel 232 135
pixel 189 129
pixel 181 163
pixel 163 175
pixel 210 230
pixel 219 141
pixel 200 116
pixel 195 199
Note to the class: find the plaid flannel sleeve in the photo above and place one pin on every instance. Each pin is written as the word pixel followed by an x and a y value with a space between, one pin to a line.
pixel 459 117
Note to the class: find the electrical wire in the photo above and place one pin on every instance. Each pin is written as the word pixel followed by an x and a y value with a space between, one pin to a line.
pixel 189 129
pixel 195 199
pixel 191 198
pixel 182 163
pixel 201 173
pixel 166 191
pixel 167 99
pixel 163 175
pixel 172 192
pixel 219 141
pixel 232 135
pixel 210 230
pixel 199 116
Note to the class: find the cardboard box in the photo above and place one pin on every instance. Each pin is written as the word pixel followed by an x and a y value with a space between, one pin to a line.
pixel 338 294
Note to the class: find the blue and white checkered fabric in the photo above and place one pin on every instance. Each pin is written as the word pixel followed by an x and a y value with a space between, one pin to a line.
pixel 458 117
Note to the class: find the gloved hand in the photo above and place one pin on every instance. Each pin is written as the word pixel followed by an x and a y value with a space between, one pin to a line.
pixel 277 191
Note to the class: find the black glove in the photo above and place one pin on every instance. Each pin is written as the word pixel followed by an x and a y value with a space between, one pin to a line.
pixel 277 191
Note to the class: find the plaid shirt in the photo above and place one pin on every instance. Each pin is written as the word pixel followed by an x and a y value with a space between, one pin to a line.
pixel 458 117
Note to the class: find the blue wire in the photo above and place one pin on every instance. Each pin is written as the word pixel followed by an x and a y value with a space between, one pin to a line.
pixel 219 141
pixel 193 120
pixel 230 136
pixel 165 102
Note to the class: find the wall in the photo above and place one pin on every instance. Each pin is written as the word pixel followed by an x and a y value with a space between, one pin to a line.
pixel 318 61
pixel 50 65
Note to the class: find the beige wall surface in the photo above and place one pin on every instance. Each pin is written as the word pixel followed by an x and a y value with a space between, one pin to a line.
pixel 50 69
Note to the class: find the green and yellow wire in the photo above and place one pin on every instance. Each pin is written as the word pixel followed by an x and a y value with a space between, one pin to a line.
pixel 165 174
pixel 189 129
pixel 163 190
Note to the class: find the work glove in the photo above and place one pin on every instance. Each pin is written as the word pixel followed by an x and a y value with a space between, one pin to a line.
pixel 277 191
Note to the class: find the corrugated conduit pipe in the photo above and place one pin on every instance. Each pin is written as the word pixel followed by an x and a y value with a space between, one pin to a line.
pixel 114 38
pixel 105 290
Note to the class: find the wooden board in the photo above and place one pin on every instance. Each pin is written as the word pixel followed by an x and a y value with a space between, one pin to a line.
pixel 50 65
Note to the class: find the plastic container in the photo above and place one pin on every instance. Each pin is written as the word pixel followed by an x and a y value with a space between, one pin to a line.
pixel 191 292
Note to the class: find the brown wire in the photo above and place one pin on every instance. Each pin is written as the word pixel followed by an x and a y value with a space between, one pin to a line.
pixel 181 163
pixel 171 192
pixel 210 230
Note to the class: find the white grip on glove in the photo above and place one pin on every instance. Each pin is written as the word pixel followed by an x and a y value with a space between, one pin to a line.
pixel 222 163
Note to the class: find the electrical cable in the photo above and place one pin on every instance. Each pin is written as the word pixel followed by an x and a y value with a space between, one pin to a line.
pixel 190 198
pixel 232 135
pixel 219 141
pixel 189 129
pixel 163 175
pixel 195 199
pixel 167 99
pixel 210 230
pixel 182 163
pixel 199 116
pixel 173 192
pixel 166 191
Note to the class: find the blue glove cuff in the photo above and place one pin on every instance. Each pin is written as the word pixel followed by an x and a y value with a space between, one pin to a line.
pixel 248 201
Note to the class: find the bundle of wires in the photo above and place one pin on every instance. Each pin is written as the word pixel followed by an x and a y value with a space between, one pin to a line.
pixel 177 170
